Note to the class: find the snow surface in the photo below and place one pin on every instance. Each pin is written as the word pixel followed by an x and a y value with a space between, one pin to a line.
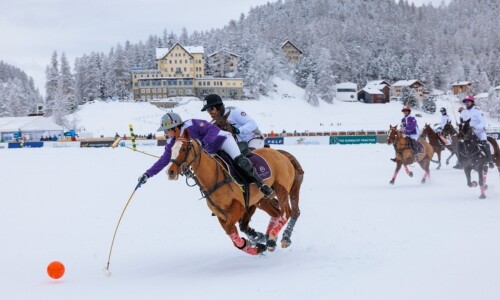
pixel 358 237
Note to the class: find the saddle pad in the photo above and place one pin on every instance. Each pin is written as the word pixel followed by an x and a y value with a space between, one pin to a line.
pixel 261 166
pixel 420 148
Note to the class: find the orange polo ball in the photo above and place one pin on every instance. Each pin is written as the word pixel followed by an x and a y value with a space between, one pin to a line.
pixel 55 269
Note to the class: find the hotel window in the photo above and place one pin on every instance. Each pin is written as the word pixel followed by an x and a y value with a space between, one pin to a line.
pixel 172 92
pixel 142 91
pixel 148 90
pixel 180 92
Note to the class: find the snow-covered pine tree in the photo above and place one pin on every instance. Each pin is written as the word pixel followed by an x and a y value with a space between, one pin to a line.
pixel 312 91
pixel 408 97
pixel 429 105
pixel 52 84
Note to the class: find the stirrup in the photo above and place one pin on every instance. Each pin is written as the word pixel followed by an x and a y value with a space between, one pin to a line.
pixel 266 190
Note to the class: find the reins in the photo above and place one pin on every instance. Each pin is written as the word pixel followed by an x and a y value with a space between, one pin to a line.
pixel 190 172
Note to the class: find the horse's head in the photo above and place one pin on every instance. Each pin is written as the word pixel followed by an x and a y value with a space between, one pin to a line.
pixel 393 134
pixel 464 131
pixel 184 152
pixel 223 123
pixel 426 131
pixel 448 129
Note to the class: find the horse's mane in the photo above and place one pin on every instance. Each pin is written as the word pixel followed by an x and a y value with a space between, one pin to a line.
pixel 223 123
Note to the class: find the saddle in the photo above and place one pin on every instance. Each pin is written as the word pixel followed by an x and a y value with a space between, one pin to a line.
pixel 261 166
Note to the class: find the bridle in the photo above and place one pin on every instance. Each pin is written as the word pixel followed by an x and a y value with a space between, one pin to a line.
pixel 189 171
pixel 184 165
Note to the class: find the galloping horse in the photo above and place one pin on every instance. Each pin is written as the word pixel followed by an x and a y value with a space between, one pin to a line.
pixel 224 196
pixel 434 141
pixel 472 157
pixel 269 205
pixel 404 153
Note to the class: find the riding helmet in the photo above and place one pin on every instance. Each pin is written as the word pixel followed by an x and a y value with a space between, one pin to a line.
pixel 406 107
pixel 443 110
pixel 170 120
pixel 211 101
pixel 468 98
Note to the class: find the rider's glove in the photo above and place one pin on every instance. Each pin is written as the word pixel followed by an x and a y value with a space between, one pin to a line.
pixel 143 178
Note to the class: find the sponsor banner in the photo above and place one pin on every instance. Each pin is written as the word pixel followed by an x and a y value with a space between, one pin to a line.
pixel 4 145
pixel 495 135
pixel 62 144
pixel 161 142
pixel 353 139
pixel 26 145
pixel 96 144
pixel 138 143
pixel 274 141
pixel 306 140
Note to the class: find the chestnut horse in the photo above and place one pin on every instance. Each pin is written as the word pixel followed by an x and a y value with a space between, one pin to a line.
pixel 270 205
pixel 224 195
pixel 404 153
pixel 434 141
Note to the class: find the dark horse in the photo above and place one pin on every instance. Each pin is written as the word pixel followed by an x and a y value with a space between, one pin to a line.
pixel 450 132
pixel 472 157
pixel 436 143
pixel 267 204
pixel 224 195
pixel 404 153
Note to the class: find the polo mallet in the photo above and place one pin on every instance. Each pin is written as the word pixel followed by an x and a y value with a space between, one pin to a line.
pixel 106 270
pixel 118 140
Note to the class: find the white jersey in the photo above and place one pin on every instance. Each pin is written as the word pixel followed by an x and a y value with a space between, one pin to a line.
pixel 444 119
pixel 249 132
pixel 477 121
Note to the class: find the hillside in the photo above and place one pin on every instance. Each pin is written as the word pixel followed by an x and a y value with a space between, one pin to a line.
pixel 284 109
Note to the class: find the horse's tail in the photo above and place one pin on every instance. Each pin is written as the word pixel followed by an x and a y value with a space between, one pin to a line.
pixel 496 152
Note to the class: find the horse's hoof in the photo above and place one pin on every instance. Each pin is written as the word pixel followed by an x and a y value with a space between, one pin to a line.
pixel 483 196
pixel 261 247
pixel 410 174
pixel 423 181
pixel 271 245
pixel 285 242
pixel 255 236
pixel 391 182
pixel 472 184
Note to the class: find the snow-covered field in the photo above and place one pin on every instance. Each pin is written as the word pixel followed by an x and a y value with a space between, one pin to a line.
pixel 358 237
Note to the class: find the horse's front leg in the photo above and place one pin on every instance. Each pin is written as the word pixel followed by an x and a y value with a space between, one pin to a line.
pixel 253 235
pixel 235 213
pixel 398 167
pixel 467 171
pixel 482 182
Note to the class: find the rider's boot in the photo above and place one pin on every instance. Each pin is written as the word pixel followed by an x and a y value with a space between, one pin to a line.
pixel 487 150
pixel 245 165
pixel 414 147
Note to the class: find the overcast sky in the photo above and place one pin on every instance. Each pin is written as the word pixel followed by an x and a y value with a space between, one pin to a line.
pixel 31 30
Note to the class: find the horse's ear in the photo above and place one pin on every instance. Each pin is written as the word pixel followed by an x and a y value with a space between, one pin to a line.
pixel 185 134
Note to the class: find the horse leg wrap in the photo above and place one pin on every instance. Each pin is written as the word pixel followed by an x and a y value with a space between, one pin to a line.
pixel 271 224
pixel 255 237
pixel 237 240
pixel 289 228
pixel 277 228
